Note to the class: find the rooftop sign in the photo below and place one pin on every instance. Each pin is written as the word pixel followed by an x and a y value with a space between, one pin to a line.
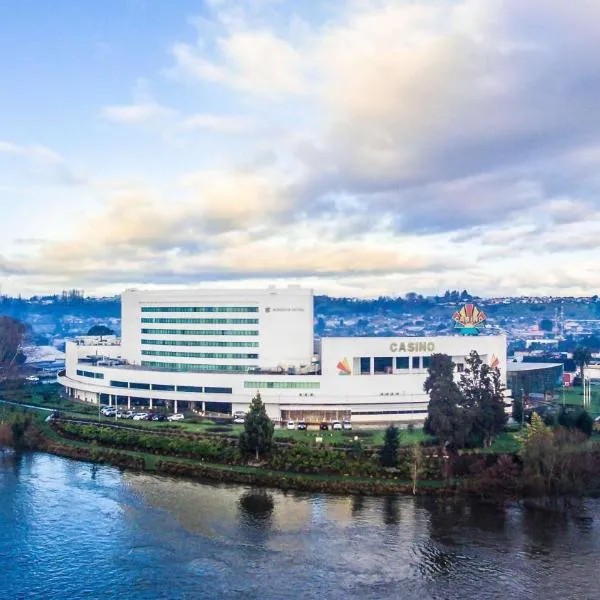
pixel 469 319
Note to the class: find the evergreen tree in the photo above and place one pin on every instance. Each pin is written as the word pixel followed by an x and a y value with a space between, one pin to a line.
pixel 258 429
pixel 483 395
pixel 517 409
pixel 391 442
pixel 582 357
pixel 446 417
pixel 584 423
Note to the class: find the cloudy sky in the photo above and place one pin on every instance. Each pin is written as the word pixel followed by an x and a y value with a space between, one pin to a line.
pixel 359 147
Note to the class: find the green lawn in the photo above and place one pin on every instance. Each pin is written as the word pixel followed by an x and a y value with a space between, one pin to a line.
pixel 574 396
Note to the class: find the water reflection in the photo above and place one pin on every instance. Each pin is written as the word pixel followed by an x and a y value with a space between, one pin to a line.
pixel 257 507
pixel 142 536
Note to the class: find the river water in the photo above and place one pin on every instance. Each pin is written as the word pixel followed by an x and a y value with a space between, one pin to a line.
pixel 75 530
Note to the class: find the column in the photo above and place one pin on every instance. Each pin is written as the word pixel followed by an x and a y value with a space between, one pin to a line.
pixel 150 403
pixel 128 402
pixel 174 406
pixel 110 399
pixel 371 365
pixel 203 407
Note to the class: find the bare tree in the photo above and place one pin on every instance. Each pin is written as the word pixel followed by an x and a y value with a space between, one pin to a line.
pixel 12 335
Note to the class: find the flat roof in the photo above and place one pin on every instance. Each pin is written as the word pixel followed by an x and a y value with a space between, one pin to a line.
pixel 515 367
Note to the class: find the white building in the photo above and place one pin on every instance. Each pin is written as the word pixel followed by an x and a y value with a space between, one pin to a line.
pixel 213 350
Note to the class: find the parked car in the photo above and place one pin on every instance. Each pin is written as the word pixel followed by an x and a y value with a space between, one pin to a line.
pixel 108 411
pixel 324 426
pixel 301 426
pixel 159 417
pixel 337 425
pixel 291 425
pixel 126 414
pixel 239 420
pixel 346 425
pixel 176 417
pixel 142 416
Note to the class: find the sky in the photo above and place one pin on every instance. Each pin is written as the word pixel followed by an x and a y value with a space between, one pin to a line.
pixel 356 147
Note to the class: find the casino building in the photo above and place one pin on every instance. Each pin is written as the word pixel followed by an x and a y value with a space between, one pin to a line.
pixel 212 350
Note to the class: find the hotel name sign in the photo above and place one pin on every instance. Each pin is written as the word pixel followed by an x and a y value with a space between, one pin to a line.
pixel 412 347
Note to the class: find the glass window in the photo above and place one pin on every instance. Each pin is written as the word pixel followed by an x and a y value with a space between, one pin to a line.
pixel 416 362
pixel 365 365
pixel 217 390
pixel 189 388
pixel 200 331
pixel 402 362
pixel 197 368
pixel 122 384
pixel 282 384
pixel 139 386
pixel 199 308
pixel 202 321
pixel 382 364
pixel 426 362
pixel 209 343
pixel 163 388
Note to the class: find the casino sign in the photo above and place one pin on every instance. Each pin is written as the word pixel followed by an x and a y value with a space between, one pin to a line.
pixel 469 319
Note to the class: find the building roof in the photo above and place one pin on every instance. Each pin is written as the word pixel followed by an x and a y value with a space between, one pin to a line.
pixel 515 367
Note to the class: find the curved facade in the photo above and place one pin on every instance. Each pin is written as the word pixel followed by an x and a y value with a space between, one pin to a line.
pixel 211 351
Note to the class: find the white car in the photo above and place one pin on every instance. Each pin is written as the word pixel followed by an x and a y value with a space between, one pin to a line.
pixel 239 419
pixel 336 425
pixel 176 417
pixel 346 425
pixel 291 425
pixel 108 411
pixel 140 416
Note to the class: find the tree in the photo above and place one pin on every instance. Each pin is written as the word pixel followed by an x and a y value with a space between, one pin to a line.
pixel 391 442
pixel 584 423
pixel 100 330
pixel 416 453
pixel 258 429
pixel 483 394
pixel 517 409
pixel 446 417
pixel 12 335
pixel 582 357
pixel 546 325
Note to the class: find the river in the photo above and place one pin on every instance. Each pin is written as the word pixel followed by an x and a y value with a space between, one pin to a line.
pixel 75 530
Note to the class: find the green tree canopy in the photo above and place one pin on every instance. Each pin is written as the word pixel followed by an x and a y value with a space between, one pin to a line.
pixel 446 418
pixel 582 357
pixel 100 330
pixel 483 394
pixel 391 442
pixel 258 431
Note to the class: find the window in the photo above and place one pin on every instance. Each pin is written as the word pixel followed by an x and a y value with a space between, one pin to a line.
pixel 426 362
pixel 416 361
pixel 382 364
pixel 365 365
pixel 189 388
pixel 217 390
pixel 390 412
pixel 198 354
pixel 209 343
pixel 197 368
pixel 121 384
pixel 203 321
pixel 314 385
pixel 163 388
pixel 402 362
pixel 200 309
pixel 90 374
pixel 201 331
pixel 139 386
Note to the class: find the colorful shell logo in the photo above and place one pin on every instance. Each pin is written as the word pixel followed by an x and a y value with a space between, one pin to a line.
pixel 494 362
pixel 469 319
pixel 343 367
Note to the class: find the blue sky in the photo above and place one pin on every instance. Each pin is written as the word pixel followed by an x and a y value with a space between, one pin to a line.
pixel 359 147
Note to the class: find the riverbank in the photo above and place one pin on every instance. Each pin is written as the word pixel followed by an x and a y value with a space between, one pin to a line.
pixel 209 453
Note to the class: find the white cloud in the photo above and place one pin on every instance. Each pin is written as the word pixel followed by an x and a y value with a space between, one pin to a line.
pixel 225 124
pixel 136 113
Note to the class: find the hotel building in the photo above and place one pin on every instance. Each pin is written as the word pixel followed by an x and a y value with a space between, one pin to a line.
pixel 212 350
